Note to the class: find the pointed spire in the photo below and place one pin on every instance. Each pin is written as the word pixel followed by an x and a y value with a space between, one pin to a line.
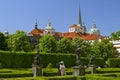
pixel 93 25
pixel 36 24
pixel 49 23
pixel 79 17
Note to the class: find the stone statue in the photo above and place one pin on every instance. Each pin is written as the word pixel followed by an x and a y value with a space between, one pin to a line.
pixel 78 53
pixel 37 58
pixel 92 60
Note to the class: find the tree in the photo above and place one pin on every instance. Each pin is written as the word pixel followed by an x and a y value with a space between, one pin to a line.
pixel 48 44
pixel 64 45
pixel 104 49
pixel 84 45
pixel 115 35
pixel 3 42
pixel 19 41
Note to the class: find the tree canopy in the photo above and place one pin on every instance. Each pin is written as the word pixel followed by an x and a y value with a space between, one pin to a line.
pixel 3 42
pixel 19 41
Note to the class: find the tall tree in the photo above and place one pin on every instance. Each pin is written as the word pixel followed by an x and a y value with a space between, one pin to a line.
pixel 19 41
pixel 104 49
pixel 64 45
pixel 84 45
pixel 48 44
pixel 3 43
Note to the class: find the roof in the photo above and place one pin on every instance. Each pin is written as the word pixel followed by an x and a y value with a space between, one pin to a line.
pixel 75 26
pixel 37 32
pixel 85 36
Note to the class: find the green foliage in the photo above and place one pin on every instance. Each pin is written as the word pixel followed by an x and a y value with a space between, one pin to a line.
pixel 19 42
pixel 1 65
pixel 3 42
pixel 113 62
pixel 98 61
pixel 104 49
pixel 16 60
pixel 48 44
pixel 49 66
pixel 64 46
pixel 115 35
pixel 25 60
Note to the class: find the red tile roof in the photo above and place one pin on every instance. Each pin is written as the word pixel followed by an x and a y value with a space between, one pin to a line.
pixel 37 32
pixel 75 26
pixel 85 36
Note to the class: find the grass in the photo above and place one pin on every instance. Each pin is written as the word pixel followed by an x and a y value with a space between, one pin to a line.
pixel 26 73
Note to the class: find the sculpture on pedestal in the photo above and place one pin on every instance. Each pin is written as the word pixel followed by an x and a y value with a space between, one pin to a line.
pixel 78 54
pixel 36 65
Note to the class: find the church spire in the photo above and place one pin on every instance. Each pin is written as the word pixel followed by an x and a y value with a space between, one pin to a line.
pixel 79 17
pixel 49 23
pixel 36 24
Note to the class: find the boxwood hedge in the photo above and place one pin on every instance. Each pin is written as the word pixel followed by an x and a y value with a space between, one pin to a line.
pixel 25 60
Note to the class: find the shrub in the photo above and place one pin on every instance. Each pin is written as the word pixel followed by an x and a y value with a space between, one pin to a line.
pixel 1 65
pixel 113 62
pixel 25 60
pixel 49 66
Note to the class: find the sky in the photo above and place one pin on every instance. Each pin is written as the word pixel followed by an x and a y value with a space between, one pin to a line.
pixel 22 14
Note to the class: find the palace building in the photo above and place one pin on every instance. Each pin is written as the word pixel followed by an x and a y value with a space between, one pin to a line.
pixel 75 30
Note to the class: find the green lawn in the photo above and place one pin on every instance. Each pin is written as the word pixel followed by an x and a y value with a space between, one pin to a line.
pixel 26 73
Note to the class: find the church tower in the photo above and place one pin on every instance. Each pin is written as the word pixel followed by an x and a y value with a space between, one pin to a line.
pixel 79 27
pixel 49 29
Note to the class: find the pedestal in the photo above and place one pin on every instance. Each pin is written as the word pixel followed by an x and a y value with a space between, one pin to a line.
pixel 78 70
pixel 92 69
pixel 37 70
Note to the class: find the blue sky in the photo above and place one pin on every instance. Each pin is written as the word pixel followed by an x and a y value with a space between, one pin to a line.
pixel 22 14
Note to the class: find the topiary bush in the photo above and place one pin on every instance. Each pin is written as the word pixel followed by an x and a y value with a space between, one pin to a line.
pixel 113 62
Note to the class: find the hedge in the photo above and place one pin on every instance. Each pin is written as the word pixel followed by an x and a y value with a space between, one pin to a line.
pixel 25 60
pixel 113 62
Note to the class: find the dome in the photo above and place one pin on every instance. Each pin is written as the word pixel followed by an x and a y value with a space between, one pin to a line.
pixel 94 30
pixel 49 27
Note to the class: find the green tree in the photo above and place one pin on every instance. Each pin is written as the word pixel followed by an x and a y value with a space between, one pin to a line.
pixel 48 44
pixel 115 35
pixel 19 41
pixel 3 42
pixel 64 45
pixel 84 45
pixel 104 49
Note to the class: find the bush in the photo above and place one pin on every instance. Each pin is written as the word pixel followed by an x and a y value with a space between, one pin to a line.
pixel 25 60
pixel 113 62
pixel 98 61
pixel 1 65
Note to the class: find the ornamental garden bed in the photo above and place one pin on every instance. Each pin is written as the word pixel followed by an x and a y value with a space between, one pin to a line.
pixel 26 74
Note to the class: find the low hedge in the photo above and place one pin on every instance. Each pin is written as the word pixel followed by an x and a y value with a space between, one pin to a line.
pixel 15 75
pixel 113 62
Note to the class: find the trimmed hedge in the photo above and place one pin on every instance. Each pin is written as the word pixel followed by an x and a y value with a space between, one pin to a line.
pixel 98 61
pixel 113 62
pixel 25 60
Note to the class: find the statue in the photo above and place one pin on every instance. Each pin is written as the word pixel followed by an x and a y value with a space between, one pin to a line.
pixel 37 58
pixel 79 68
pixel 91 64
pixel 36 65
pixel 92 60
pixel 78 53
